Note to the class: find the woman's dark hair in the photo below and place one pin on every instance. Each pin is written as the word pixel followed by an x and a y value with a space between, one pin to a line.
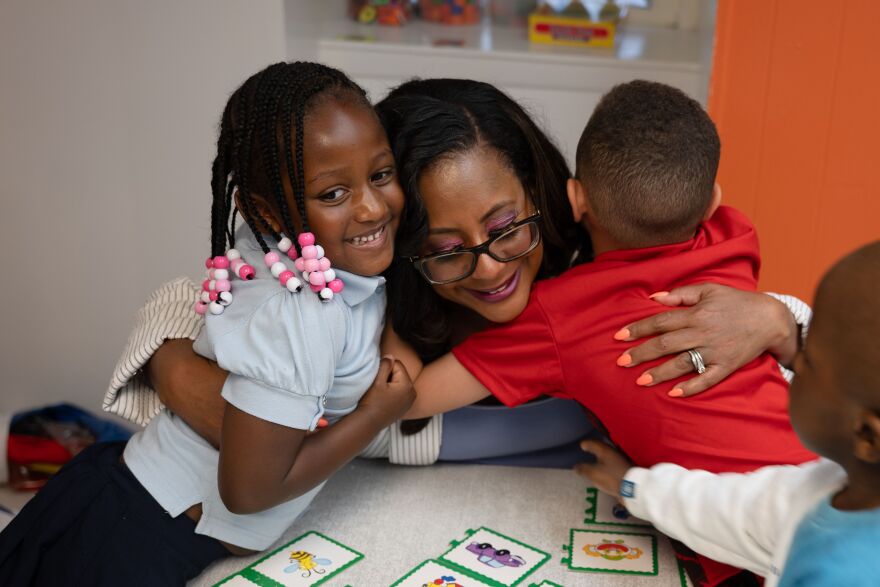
pixel 255 147
pixel 427 120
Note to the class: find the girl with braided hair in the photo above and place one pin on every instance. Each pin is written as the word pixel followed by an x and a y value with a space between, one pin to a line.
pixel 303 158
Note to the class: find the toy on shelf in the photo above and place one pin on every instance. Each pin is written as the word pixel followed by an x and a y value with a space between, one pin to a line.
pixel 610 12
pixel 450 11
pixel 573 26
pixel 385 12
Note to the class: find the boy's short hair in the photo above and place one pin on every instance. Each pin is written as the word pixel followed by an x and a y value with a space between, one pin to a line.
pixel 648 159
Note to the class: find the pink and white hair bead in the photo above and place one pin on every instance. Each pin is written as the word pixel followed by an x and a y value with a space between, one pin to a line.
pixel 314 267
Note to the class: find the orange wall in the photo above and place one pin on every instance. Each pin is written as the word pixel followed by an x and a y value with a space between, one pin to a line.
pixel 795 93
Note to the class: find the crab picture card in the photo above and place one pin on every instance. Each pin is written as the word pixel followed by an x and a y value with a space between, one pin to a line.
pixel 305 561
pixel 602 551
pixel 495 558
pixel 606 510
pixel 436 574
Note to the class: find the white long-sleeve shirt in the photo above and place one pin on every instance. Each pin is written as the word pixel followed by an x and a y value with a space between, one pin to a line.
pixel 745 520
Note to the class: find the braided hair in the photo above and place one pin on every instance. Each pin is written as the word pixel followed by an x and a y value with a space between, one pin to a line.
pixel 261 140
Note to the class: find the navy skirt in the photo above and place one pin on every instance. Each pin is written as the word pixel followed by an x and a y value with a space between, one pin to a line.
pixel 95 524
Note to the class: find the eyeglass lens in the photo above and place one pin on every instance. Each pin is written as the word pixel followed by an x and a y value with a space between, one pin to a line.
pixel 458 265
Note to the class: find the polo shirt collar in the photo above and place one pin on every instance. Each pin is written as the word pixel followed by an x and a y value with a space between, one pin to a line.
pixel 358 288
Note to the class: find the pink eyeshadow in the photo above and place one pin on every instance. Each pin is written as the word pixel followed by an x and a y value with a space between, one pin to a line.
pixel 501 222
pixel 444 246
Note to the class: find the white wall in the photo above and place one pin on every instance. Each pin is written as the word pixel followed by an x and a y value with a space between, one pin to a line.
pixel 108 114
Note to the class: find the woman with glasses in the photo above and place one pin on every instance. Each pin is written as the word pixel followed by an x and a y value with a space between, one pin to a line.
pixel 486 215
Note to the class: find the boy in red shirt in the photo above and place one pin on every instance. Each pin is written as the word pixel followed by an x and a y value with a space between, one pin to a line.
pixel 645 189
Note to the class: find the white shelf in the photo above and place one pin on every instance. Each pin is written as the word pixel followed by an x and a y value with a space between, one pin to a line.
pixel 634 47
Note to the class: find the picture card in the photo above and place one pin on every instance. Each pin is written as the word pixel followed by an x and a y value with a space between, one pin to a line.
pixel 235 581
pixel 683 577
pixel 436 574
pixel 495 558
pixel 604 509
pixel 305 561
pixel 612 552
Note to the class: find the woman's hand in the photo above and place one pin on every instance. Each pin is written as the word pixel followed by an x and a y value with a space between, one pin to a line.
pixel 189 385
pixel 391 394
pixel 609 469
pixel 729 328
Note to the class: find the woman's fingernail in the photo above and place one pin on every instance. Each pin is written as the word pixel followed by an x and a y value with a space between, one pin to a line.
pixel 677 392
pixel 622 334
pixel 322 423
pixel 658 294
pixel 644 379
pixel 624 360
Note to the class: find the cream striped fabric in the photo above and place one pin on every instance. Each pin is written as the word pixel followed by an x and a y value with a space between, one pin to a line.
pixel 167 314
pixel 803 314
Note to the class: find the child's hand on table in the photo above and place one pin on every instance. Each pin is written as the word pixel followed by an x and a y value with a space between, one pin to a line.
pixel 608 470
pixel 391 394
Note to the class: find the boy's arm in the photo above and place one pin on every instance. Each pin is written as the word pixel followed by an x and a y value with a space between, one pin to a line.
pixel 737 519
pixel 263 464
pixel 442 386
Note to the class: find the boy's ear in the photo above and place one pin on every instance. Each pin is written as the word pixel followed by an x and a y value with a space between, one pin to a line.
pixel 713 205
pixel 263 210
pixel 867 441
pixel 577 198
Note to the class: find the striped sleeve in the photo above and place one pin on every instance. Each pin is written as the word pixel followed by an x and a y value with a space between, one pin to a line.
pixel 167 314
pixel 422 448
pixel 803 314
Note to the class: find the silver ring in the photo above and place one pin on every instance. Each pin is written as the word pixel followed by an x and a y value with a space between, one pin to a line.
pixel 697 361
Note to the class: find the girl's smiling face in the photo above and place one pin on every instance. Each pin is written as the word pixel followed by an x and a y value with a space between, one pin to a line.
pixel 470 197
pixel 352 196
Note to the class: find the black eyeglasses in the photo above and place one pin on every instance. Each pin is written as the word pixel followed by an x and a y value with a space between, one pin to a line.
pixel 515 241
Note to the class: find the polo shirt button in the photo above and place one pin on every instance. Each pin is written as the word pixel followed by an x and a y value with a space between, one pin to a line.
pixel 324 400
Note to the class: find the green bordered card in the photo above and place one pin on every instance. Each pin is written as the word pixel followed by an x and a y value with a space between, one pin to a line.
pixel 604 509
pixel 683 576
pixel 494 558
pixel 437 574
pixel 305 561
pixel 545 583
pixel 602 551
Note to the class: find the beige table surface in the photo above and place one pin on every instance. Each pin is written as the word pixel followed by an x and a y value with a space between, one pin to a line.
pixel 400 516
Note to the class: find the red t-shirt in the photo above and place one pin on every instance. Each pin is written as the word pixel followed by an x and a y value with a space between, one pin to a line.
pixel 562 345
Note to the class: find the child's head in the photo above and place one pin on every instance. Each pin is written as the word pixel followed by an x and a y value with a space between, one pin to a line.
pixel 835 395
pixel 646 165
pixel 301 150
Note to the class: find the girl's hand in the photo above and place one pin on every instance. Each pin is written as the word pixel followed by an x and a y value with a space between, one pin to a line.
pixel 391 394
pixel 609 469
pixel 729 328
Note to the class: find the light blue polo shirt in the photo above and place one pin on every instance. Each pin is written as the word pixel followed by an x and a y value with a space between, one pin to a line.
pixel 291 360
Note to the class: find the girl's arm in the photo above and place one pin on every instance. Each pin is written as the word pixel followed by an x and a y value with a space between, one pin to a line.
pixel 263 464
pixel 444 385
pixel 189 385
pixel 729 327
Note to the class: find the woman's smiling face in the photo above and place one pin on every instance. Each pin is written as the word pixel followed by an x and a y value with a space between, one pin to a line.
pixel 470 197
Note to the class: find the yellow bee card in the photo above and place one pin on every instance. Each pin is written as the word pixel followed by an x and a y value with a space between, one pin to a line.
pixel 306 561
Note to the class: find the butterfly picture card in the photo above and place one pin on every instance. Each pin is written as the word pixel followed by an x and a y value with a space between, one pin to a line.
pixel 436 574
pixel 305 561
pixel 497 559
pixel 601 551
pixel 607 511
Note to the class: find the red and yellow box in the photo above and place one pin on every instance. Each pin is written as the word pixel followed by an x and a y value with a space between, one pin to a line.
pixel 574 32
